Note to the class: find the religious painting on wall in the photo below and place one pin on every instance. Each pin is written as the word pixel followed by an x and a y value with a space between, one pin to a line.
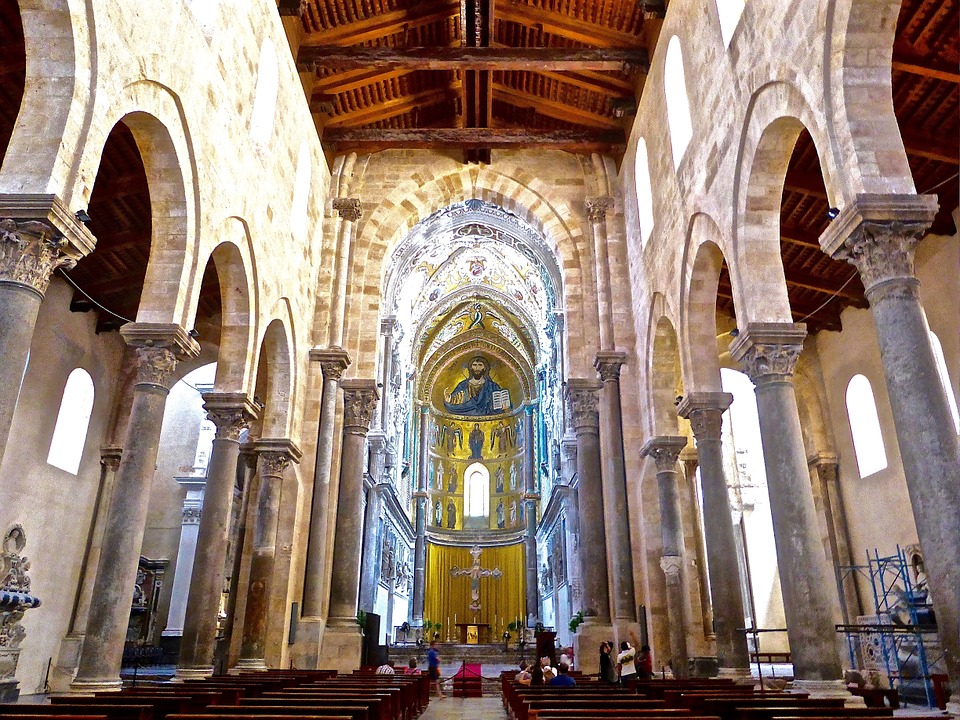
pixel 477 394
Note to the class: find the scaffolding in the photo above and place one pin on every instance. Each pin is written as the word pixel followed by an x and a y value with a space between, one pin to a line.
pixel 902 641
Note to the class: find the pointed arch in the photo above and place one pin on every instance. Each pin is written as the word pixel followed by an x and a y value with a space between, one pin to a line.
pixel 666 381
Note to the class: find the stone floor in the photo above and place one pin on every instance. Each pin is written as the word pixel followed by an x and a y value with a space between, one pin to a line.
pixel 485 708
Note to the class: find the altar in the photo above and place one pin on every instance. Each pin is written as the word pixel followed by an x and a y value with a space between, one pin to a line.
pixel 473 633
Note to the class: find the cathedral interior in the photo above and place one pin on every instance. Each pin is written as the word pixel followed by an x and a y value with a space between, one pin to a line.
pixel 332 327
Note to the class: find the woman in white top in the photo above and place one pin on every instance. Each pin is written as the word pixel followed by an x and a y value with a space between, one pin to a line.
pixel 625 662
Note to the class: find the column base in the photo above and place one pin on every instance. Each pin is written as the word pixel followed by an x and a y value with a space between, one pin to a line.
pixel 251 664
pixel 827 689
pixel 305 651
pixel 88 687
pixel 586 644
pixel 740 676
pixel 342 645
pixel 192 673
pixel 65 667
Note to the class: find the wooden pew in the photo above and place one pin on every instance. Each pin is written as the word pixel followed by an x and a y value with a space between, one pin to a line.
pixel 162 705
pixel 378 706
pixel 108 710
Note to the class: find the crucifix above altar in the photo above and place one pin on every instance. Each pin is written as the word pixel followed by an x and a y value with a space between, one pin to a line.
pixel 475 573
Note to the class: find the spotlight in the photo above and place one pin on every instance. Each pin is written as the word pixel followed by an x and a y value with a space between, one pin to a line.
pixel 735 332
pixel 832 213
pixel 193 333
pixel 678 400
pixel 83 217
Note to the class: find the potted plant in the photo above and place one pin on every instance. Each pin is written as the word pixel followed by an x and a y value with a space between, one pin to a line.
pixel 575 621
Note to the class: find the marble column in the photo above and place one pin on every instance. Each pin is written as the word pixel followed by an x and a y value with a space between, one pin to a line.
pixel 38 234
pixel 370 563
pixel 768 354
pixel 342 639
pixel 689 462
pixel 159 348
pixel 608 365
pixel 232 413
pixel 878 234
pixel 597 214
pixel 333 361
pixel 571 514
pixel 275 456
pixel 186 551
pixel 584 399
pixel 420 520
pixel 705 411
pixel 665 449
pixel 530 499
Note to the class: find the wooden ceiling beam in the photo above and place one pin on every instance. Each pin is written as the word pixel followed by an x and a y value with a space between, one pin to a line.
pixel 916 67
pixel 945 150
pixel 382 25
pixel 554 109
pixel 392 108
pixel 470 58
pixel 474 138
pixel 565 26
pixel 348 80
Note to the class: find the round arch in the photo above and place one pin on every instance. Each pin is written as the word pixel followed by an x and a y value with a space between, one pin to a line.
pixel 275 380
pixel 665 380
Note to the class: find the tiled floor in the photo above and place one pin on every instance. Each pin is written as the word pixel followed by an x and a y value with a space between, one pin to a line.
pixel 485 708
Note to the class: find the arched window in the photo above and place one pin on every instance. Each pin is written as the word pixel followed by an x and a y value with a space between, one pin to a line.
pixel 265 96
pixel 70 433
pixel 729 12
pixel 644 191
pixel 945 379
pixel 301 192
pixel 678 104
pixel 865 427
pixel 476 491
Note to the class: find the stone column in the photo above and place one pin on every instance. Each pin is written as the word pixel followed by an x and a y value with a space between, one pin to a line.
pixel 232 413
pixel 420 521
pixel 705 411
pixel 530 499
pixel 275 455
pixel 608 365
pixel 186 551
pixel 571 514
pixel 159 347
pixel 350 212
pixel 768 353
pixel 371 549
pixel 584 398
pixel 665 449
pixel 387 326
pixel 878 234
pixel 597 214
pixel 38 234
pixel 688 459
pixel 342 639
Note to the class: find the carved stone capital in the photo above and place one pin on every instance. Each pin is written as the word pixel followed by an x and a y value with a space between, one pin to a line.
pixel 608 364
pixel 359 405
pixel 350 209
pixel 597 208
pixel 232 413
pixel 664 449
pixel 190 515
pixel 878 234
pixel 275 455
pixel 671 566
pixel 705 411
pixel 30 251
pixel 583 397
pixel 156 367
pixel 768 352
pixel 110 457
pixel 333 362
pixel 388 325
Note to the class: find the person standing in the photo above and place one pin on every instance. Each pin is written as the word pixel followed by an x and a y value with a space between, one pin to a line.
pixel 433 667
pixel 625 662
pixel 608 673
pixel 644 664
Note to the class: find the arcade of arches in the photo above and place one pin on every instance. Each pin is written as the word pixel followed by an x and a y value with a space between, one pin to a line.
pixel 661 330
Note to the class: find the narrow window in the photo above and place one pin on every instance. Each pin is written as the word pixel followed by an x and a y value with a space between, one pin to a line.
pixel 476 496
pixel 644 191
pixel 865 427
pixel 945 379
pixel 70 433
pixel 678 103
pixel 265 96
pixel 730 12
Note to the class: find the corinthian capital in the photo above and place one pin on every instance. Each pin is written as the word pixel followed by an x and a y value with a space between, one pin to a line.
pixel 597 208
pixel 159 348
pixel 275 455
pixel 232 413
pixel 30 251
pixel 333 361
pixel 705 411
pixel 583 397
pixel 664 449
pixel 671 565
pixel 349 208
pixel 608 364
pixel 768 352
pixel 359 404
pixel 879 233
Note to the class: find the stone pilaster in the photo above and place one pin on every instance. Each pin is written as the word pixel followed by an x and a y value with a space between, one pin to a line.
pixel 530 500
pixel 342 639
pixel 420 519
pixel 705 411
pixel 232 413
pixel 878 234
pixel 608 366
pixel 159 348
pixel 275 456
pixel 38 235
pixel 664 450
pixel 768 354
pixel 584 402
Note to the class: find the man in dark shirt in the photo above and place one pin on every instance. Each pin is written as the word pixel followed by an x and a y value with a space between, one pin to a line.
pixel 433 667
pixel 562 679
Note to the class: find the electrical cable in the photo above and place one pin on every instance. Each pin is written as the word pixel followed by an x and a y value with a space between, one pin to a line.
pixel 829 299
